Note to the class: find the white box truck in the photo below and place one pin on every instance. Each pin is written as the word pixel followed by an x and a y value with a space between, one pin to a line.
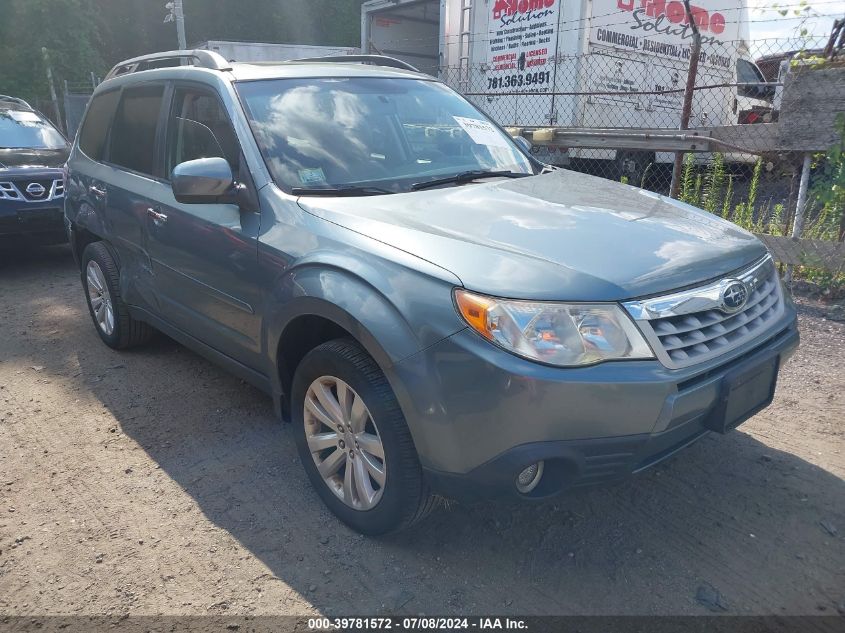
pixel 267 52
pixel 601 58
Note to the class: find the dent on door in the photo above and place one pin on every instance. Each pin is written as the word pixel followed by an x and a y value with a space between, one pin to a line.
pixel 125 202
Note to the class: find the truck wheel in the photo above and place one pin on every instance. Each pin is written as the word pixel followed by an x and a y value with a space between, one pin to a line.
pixel 110 315
pixel 354 442
pixel 633 166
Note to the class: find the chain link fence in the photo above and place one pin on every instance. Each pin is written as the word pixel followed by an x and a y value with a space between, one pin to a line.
pixel 67 110
pixel 75 99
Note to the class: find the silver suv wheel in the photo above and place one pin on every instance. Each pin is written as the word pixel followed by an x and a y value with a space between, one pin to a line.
pixel 101 302
pixel 344 442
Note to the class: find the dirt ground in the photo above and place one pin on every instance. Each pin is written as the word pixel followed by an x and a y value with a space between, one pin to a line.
pixel 151 482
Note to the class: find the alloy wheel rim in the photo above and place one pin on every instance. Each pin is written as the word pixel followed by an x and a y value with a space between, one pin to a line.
pixel 345 443
pixel 98 294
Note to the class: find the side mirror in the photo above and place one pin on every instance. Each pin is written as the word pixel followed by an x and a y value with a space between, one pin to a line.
pixel 524 143
pixel 203 181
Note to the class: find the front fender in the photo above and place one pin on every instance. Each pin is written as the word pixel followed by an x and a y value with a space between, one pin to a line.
pixel 390 328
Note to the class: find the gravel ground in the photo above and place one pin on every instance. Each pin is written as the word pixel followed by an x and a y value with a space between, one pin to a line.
pixel 152 482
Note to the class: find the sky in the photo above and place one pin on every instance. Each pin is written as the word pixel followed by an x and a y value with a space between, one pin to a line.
pixel 766 21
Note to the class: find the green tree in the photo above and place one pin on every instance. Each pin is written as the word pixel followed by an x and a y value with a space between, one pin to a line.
pixel 84 36
pixel 23 33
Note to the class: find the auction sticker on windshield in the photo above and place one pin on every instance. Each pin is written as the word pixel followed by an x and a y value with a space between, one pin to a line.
pixel 482 132
pixel 312 176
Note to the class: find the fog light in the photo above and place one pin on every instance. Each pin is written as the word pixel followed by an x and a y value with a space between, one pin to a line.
pixel 528 479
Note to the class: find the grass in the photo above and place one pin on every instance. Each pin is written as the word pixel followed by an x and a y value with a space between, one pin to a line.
pixel 711 187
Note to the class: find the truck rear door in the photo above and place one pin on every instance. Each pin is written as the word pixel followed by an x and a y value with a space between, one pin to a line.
pixel 408 30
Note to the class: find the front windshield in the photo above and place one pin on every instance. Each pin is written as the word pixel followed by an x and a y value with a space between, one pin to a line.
pixel 23 129
pixel 384 133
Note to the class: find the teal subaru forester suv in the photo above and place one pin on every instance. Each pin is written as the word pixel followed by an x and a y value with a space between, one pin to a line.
pixel 435 312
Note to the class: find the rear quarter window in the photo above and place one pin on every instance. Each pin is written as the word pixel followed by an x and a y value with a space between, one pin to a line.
pixel 95 129
pixel 132 140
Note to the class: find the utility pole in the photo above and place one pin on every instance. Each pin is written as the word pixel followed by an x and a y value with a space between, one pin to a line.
pixel 53 97
pixel 177 14
pixel 689 91
pixel 49 74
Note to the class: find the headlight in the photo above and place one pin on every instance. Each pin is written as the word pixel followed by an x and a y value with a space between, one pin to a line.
pixel 564 334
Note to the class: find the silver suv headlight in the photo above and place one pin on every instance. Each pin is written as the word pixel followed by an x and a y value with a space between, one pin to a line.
pixel 562 334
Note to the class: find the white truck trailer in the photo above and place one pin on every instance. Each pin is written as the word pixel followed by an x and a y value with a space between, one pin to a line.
pixel 266 52
pixel 580 64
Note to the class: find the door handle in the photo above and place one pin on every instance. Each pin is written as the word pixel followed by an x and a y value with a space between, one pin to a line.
pixel 158 218
pixel 100 193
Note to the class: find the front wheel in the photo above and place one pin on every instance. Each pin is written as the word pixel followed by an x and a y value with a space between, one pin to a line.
pixel 354 442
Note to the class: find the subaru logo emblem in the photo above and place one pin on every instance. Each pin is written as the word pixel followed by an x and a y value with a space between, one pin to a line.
pixel 35 190
pixel 734 296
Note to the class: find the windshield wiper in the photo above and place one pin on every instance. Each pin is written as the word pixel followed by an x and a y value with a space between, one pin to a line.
pixel 339 191
pixel 466 176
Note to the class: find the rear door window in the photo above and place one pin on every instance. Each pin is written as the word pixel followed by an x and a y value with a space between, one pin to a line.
pixel 95 130
pixel 133 135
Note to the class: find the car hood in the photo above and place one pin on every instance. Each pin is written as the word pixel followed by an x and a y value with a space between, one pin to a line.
pixel 33 157
pixel 562 235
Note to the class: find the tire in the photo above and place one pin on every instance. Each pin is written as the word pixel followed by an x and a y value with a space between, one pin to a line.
pixel 404 498
pixel 100 280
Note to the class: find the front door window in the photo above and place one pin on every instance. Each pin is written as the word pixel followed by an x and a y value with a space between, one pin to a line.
pixel 200 128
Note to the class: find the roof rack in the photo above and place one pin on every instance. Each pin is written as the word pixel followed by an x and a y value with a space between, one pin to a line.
pixel 15 100
pixel 376 60
pixel 200 58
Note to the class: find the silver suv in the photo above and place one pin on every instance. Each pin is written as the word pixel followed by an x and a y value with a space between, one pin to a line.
pixel 434 311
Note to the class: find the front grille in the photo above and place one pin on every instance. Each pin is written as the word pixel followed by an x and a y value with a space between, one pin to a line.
pixel 693 326
pixel 690 335
pixel 8 191
pixel 40 190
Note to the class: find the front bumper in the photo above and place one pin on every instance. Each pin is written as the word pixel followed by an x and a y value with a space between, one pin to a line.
pixel 28 219
pixel 41 222
pixel 479 415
